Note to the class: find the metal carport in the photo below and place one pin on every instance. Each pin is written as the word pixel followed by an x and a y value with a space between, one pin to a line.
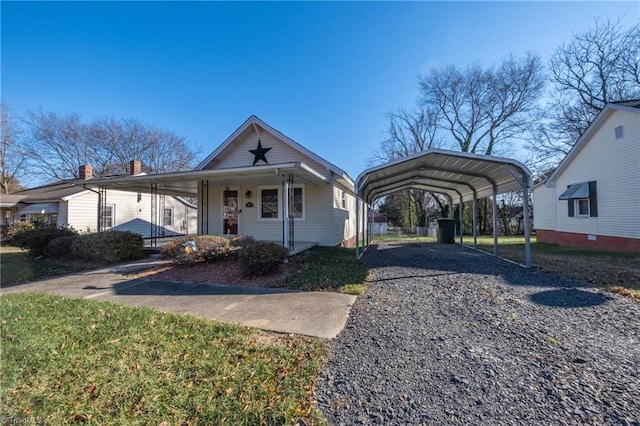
pixel 459 176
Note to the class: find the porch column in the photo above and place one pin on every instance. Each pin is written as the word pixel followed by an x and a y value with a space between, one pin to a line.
pixel 357 227
pixel 285 222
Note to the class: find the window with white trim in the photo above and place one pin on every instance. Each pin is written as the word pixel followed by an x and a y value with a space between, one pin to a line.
pixel 297 203
pixel 107 217
pixel 344 200
pixel 581 207
pixel 269 203
pixel 168 216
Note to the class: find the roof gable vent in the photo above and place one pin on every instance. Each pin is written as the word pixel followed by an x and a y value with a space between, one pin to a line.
pixel 619 132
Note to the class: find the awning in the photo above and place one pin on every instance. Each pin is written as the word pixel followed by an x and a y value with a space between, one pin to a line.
pixel 578 190
pixel 40 208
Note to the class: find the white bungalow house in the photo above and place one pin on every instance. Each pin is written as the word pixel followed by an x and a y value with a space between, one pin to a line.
pixel 592 199
pixel 72 203
pixel 262 183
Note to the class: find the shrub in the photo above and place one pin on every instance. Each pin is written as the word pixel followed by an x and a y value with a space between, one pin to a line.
pixel 60 247
pixel 18 228
pixel 35 238
pixel 108 246
pixel 261 258
pixel 178 252
pixel 241 241
pixel 208 248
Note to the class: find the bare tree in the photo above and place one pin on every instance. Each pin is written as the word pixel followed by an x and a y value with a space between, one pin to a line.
pixel 12 160
pixel 599 65
pixel 58 145
pixel 481 108
pixel 410 133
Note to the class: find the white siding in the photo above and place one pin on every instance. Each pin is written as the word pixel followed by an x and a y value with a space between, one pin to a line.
pixel 615 165
pixel 318 215
pixel 83 212
pixel 344 219
pixel 544 207
pixel 237 154
pixel 63 214
pixel 129 213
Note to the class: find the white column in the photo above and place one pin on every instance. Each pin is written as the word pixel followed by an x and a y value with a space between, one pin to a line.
pixel 285 223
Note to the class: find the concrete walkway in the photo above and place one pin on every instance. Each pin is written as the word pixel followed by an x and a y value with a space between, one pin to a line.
pixel 318 314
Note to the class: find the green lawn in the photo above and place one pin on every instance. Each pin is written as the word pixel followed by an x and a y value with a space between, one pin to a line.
pixel 327 269
pixel 70 361
pixel 403 237
pixel 17 266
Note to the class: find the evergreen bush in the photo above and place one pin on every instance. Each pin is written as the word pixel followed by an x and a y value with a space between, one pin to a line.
pixel 60 247
pixel 108 246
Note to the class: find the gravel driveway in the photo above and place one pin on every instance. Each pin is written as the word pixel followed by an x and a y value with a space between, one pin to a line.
pixel 448 335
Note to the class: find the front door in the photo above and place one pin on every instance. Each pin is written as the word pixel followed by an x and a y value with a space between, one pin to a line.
pixel 230 212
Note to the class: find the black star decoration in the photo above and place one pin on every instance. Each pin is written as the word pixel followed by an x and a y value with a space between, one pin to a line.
pixel 259 153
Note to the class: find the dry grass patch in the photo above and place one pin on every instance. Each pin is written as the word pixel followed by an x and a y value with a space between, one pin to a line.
pixel 617 272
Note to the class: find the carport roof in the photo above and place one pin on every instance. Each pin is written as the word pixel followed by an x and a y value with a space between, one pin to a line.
pixel 455 174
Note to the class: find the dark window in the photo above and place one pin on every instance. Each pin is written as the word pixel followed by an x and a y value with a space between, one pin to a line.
pixel 168 217
pixel 297 203
pixel 269 204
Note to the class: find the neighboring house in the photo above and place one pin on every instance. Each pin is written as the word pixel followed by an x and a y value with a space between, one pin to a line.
pixel 71 203
pixel 592 199
pixel 262 183
pixel 379 223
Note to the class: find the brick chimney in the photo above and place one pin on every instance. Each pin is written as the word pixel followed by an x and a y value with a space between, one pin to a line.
pixel 136 167
pixel 85 172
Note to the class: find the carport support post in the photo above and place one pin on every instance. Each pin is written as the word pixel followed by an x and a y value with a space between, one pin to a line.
pixel 475 225
pixel 357 227
pixel 495 220
pixel 527 227
pixel 460 219
pixel 364 224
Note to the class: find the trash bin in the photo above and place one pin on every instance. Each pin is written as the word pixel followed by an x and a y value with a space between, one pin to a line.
pixel 446 230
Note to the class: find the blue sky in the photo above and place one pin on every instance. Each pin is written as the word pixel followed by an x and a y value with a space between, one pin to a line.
pixel 323 73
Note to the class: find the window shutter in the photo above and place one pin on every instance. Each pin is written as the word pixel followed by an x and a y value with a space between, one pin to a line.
pixel 570 204
pixel 593 199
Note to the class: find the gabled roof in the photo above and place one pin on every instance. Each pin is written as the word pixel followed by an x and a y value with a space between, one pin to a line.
pixel 253 121
pixel 606 112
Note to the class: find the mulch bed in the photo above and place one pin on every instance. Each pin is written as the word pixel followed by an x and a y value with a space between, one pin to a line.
pixel 226 273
